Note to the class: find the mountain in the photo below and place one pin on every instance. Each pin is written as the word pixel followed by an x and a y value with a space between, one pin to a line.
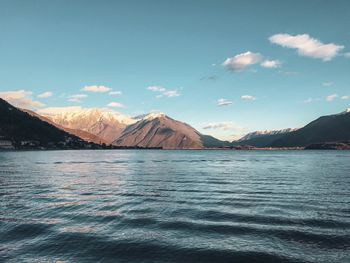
pixel 330 128
pixel 159 130
pixel 26 131
pixel 257 134
pixel 106 125
pixel 261 138
pixel 84 135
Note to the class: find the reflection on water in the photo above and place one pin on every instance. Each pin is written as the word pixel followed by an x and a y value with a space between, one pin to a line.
pixel 175 206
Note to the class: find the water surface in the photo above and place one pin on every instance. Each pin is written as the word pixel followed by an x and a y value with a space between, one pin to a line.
pixel 175 206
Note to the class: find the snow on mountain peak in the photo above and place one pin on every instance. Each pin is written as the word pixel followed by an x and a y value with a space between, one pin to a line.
pixel 75 113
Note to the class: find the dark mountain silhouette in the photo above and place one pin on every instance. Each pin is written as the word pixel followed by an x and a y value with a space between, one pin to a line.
pixel 26 131
pixel 330 128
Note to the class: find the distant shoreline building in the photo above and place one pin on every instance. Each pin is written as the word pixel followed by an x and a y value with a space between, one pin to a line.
pixel 6 144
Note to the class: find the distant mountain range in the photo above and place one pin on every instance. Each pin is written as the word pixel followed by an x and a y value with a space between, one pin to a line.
pixel 262 138
pixel 154 130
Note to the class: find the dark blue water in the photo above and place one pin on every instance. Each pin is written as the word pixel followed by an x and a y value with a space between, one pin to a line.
pixel 175 206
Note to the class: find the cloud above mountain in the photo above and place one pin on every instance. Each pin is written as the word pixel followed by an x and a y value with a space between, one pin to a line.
pixel 248 97
pixel 332 97
pixel 224 102
pixel 21 98
pixel 115 105
pixel 96 89
pixel 76 97
pixel 307 46
pixel 220 126
pixel 46 94
pixel 163 92
pixel 241 61
pixel 271 64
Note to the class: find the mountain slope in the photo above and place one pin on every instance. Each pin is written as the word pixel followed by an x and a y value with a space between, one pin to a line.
pixel 23 130
pixel 261 138
pixel 106 125
pixel 158 130
pixel 330 128
pixel 84 135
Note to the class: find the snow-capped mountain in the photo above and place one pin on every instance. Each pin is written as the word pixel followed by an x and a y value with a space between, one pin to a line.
pixel 105 124
pixel 257 134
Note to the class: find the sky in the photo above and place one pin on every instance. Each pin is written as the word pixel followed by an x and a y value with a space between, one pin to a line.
pixel 224 67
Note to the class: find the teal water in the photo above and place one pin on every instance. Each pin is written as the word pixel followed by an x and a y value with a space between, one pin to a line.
pixel 175 206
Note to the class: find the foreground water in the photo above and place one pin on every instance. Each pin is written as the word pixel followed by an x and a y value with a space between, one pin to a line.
pixel 175 206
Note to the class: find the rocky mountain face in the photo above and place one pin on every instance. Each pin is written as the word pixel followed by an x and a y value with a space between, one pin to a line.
pixel 332 128
pixel 107 126
pixel 25 131
pixel 159 130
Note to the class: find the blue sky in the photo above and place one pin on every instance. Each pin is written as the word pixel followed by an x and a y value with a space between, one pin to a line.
pixel 170 56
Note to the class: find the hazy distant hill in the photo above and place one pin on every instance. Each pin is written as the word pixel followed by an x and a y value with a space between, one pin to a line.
pixel 25 130
pixel 330 128
pixel 159 130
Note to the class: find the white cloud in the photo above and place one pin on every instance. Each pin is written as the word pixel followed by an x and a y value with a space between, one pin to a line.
pixel 224 102
pixel 271 64
pixel 76 97
pixel 248 97
pixel 347 55
pixel 94 88
pixel 222 126
pixel 21 98
pixel 156 88
pixel 332 97
pixel 115 105
pixel 242 61
pixel 327 84
pixel 307 46
pixel 171 93
pixel 310 100
pixel 45 94
pixel 346 97
pixel 115 93
pixel 163 92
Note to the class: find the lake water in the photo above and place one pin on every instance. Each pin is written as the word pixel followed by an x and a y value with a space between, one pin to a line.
pixel 175 206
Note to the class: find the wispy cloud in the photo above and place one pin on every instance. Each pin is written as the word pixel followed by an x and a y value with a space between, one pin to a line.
pixel 21 98
pixel 222 126
pixel 46 94
pixel 327 84
pixel 224 102
pixel 76 97
pixel 115 93
pixel 271 64
pixel 310 100
pixel 332 97
pixel 347 55
pixel 163 92
pixel 248 97
pixel 115 105
pixel 241 61
pixel 96 89
pixel 307 46
pixel 345 97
